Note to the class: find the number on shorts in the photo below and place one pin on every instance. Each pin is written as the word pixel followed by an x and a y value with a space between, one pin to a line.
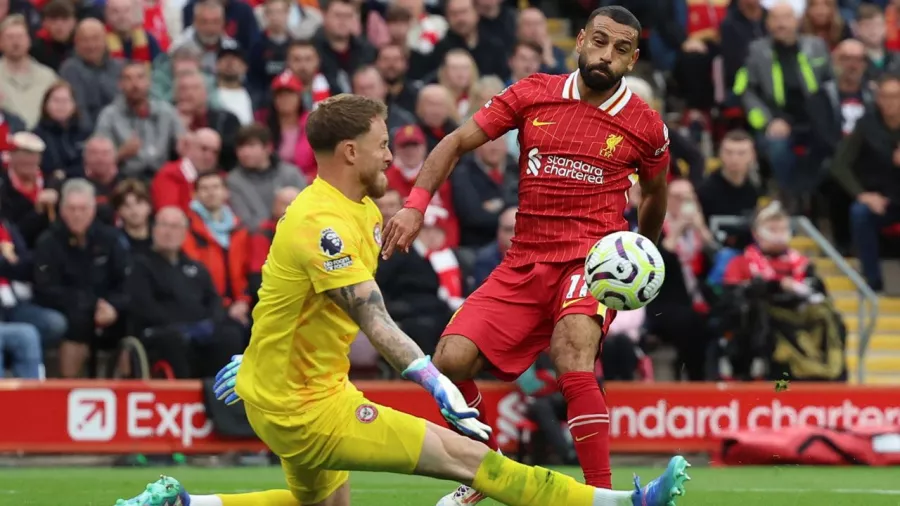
pixel 574 281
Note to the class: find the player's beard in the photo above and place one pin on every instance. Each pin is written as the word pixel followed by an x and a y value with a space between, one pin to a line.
pixel 598 77
pixel 376 186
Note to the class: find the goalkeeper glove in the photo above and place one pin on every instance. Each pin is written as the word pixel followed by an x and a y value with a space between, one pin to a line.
pixel 226 379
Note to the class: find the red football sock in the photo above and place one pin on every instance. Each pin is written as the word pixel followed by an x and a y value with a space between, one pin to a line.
pixel 473 398
pixel 589 425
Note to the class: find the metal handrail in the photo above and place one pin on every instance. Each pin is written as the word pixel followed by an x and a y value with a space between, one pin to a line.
pixel 864 292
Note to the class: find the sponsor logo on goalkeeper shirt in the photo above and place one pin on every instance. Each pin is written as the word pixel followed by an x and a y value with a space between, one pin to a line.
pixel 562 166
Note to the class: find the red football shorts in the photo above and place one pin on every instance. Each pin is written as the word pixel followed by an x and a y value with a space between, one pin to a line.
pixel 510 317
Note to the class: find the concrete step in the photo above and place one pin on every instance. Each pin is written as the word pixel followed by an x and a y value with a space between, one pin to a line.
pixel 886 324
pixel 567 44
pixel 804 244
pixel 849 304
pixel 881 363
pixel 826 266
pixel 558 28
pixel 877 343
pixel 839 284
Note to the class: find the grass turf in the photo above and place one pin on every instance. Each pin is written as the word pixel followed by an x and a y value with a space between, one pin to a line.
pixel 763 486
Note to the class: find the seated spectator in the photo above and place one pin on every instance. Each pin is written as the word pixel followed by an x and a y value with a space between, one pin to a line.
pixel 206 30
pixel 126 38
pixel 744 22
pixel 341 47
pixel 410 284
pixel 731 190
pixel 261 240
pixel 800 335
pixel 173 185
pixel 303 61
pixel 532 29
pixel 132 204
pixel 231 70
pixel 679 314
pixel 393 64
pixel 464 33
pixel 866 164
pixel 62 134
pixel 485 89
pixel 27 202
pixel 9 125
pixel 175 307
pixel 823 19
pixel 781 119
pixel 369 83
pixel 498 18
pixel 181 61
pixel 424 29
pixel 869 27
pixel 622 358
pixel 259 174
pixel 458 74
pixel 80 270
pixel 23 81
pixel 144 130
pixel 286 119
pixel 268 55
pixel 101 170
pixel 92 73
pixel 436 112
pixel 490 256
pixel 410 151
pixel 53 42
pixel 483 185
pixel 524 61
pixel 22 344
pixel 192 103
pixel 217 240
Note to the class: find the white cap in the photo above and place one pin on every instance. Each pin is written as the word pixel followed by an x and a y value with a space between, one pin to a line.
pixel 27 141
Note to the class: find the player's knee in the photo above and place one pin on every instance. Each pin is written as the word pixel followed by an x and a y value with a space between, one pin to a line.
pixel 457 358
pixel 575 344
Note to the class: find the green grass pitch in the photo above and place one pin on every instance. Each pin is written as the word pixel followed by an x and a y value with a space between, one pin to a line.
pixel 763 486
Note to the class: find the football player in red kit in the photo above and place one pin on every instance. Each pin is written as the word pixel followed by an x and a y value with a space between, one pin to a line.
pixel 585 140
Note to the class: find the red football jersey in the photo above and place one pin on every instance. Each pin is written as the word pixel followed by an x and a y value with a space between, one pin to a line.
pixel 577 162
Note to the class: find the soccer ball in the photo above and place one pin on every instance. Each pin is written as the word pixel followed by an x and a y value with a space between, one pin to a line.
pixel 624 271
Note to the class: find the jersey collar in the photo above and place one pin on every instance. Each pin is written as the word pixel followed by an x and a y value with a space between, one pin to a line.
pixel 612 106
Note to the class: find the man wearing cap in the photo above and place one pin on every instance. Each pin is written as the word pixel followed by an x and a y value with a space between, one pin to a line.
pixel 231 68
pixel 409 155
pixel 26 202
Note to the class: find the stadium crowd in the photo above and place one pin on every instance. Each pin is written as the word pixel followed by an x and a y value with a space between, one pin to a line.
pixel 150 146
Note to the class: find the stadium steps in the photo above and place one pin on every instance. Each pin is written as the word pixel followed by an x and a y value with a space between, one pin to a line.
pixel 883 358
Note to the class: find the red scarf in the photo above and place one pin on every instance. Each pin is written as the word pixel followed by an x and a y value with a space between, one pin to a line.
pixel 140 46
pixel 689 250
pixel 775 268
pixel 446 266
pixel 155 24
pixel 319 90
pixel 44 35
pixel 892 23
pixel 5 141
pixel 29 193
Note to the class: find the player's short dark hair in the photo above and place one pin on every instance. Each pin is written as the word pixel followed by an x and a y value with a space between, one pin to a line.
pixel 126 188
pixel 254 132
pixel 58 9
pixel 526 44
pixel 618 14
pixel 341 118
pixel 203 176
pixel 738 135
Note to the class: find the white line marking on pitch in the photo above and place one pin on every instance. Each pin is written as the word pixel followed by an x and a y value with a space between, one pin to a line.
pixel 860 491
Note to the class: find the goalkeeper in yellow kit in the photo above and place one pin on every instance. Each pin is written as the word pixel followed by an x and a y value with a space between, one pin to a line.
pixel 317 292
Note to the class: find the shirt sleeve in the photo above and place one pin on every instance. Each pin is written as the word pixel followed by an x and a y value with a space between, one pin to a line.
pixel 655 158
pixel 502 112
pixel 329 251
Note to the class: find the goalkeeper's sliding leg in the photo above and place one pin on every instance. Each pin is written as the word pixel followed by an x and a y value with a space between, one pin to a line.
pixel 446 455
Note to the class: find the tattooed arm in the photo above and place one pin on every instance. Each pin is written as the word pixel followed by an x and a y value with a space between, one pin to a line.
pixel 363 302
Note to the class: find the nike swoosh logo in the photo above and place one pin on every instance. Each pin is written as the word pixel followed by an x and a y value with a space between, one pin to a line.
pixel 537 123
pixel 573 301
pixel 580 439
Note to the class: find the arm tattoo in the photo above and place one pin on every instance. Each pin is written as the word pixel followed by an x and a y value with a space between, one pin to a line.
pixel 365 305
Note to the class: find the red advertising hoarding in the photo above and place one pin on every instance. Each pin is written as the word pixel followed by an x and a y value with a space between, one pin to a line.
pixel 169 416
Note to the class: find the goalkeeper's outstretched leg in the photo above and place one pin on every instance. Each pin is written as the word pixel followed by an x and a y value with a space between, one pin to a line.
pixel 448 455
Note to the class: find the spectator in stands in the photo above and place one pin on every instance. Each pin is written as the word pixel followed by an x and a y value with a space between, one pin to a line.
pixel 53 42
pixel 126 38
pixel 622 358
pixel 207 32
pixel 9 124
pixel 393 65
pixel 546 407
pixel 869 28
pixel 303 62
pixel 27 202
pixel 731 190
pixel 301 19
pixel 157 16
pixel 532 29
pixel 231 69
pixel 143 129
pixel 93 75
pixel 26 9
pixel 436 111
pixel 217 240
pixel 679 314
pixel 80 270
pixel 410 283
pixel 777 102
pixel 261 241
pixel 175 306
pixel 424 30
pixel 458 74
pixel 268 55
pixel 498 18
pixel 131 202
pixel 524 61
pixel 369 83
pixel 21 343
pixel 23 81
pixel 866 165
pixel 464 33
pixel 173 185
pixel 489 257
pixel 485 89
pixel 484 184
pixel 62 134
pixel 235 21
pixel 286 119
pixel 693 62
pixel 341 52
pixel 824 20
pixel 410 151
pixel 399 22
pixel 258 175
pixel 744 23
pixel 183 60
pixel 192 103
pixel 101 170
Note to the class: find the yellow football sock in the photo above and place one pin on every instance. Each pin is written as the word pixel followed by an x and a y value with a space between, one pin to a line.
pixel 266 498
pixel 519 485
